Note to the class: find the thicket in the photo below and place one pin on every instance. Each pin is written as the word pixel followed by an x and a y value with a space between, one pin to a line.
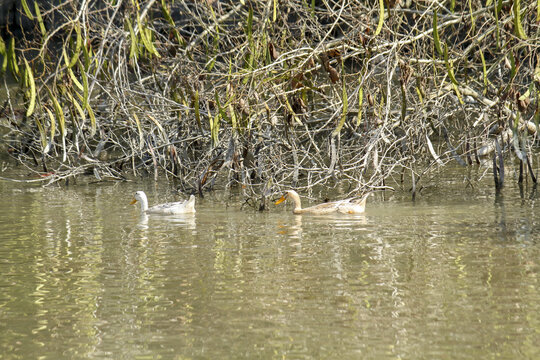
pixel 265 95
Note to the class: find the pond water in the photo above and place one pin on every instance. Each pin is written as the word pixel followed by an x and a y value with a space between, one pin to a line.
pixel 453 275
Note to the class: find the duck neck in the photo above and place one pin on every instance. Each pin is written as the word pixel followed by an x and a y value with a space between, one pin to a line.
pixel 144 204
pixel 297 204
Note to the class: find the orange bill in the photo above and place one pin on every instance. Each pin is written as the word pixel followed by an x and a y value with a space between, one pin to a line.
pixel 133 201
pixel 281 199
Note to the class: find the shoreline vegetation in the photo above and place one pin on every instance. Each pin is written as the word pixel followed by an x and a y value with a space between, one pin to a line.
pixel 269 95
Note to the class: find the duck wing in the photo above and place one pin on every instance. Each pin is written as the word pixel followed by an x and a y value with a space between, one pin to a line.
pixel 325 208
pixel 180 207
pixel 353 205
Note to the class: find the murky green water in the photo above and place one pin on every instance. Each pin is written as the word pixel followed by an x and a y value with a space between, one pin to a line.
pixel 453 276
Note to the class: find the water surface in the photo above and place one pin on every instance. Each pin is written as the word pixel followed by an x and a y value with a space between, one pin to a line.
pixel 453 275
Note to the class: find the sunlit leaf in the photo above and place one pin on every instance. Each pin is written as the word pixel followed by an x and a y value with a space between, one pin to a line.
pixel 518 27
pixel 32 85
pixel 197 110
pixel 139 128
pixel 344 112
pixel 381 17
pixel 78 45
pixel 26 9
pixel 40 19
pixel 360 102
pixel 52 121
pixel 436 38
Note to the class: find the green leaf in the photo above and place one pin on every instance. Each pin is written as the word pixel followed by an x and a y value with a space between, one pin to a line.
pixel 146 36
pixel 2 46
pixel 86 59
pixel 360 102
pixel 42 134
pixel 484 70
pixel 232 114
pixel 450 69
pixel 449 66
pixel 40 20
pixel 77 107
pixel 472 16
pixel 32 85
pixel 86 105
pixel 78 45
pixel 497 7
pixel 197 111
pixel 517 20
pixel 525 95
pixel 12 58
pixel 250 25
pixel 381 18
pixel 513 69
pixel 537 73
pixel 345 102
pixel 139 128
pixel 436 38
pixel 133 43
pixel 3 54
pixel 52 120
pixel 85 90
pixel 27 10
pixel 168 17
pixel 59 111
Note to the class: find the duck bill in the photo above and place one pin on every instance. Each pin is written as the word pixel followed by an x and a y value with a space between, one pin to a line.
pixel 133 201
pixel 281 199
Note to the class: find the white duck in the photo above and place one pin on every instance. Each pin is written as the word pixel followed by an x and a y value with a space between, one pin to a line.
pixel 181 207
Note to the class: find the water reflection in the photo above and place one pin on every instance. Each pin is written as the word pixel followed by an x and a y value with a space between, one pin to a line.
pixel 183 220
pixel 292 227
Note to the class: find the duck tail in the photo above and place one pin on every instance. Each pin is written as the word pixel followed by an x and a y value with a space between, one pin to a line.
pixel 191 203
pixel 364 198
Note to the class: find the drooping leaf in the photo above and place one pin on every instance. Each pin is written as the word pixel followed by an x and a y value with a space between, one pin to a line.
pixel 449 66
pixel 26 9
pixel 497 7
pixel 32 86
pixel 344 112
pixel 472 16
pixel 42 134
pixel 3 54
pixel 518 27
pixel 77 107
pixel 52 121
pixel 381 18
pixel 12 58
pixel 360 102
pixel 197 110
pixel 436 38
pixel 167 14
pixel 139 128
pixel 450 69
pixel 484 70
pixel 78 45
pixel 59 111
pixel 40 19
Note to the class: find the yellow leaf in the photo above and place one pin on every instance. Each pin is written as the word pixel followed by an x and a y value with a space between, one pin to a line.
pixel 32 84
pixel 381 17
